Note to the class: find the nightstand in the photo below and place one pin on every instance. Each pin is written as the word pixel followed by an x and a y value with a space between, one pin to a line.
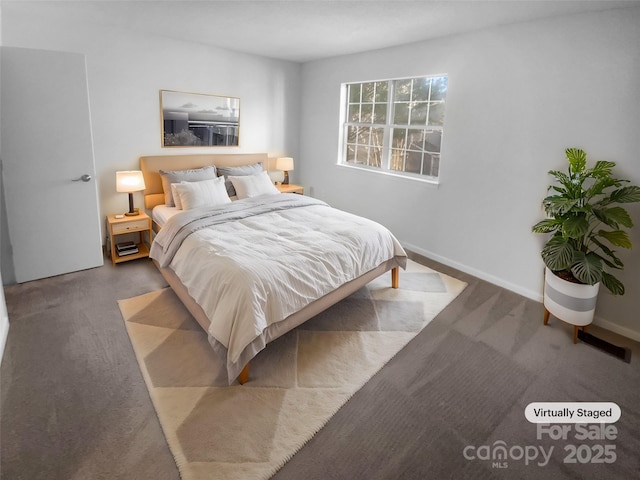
pixel 129 224
pixel 290 188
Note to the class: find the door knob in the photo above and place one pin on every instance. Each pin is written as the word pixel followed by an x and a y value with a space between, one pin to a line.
pixel 85 178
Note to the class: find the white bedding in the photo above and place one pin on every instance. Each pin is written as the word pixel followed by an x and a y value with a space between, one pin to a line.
pixel 257 269
pixel 161 213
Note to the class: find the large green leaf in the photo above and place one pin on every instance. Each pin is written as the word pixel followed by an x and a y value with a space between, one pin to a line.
pixel 614 285
pixel 562 177
pixel 558 253
pixel 602 168
pixel 577 158
pixel 558 189
pixel 575 226
pixel 614 216
pixel 548 225
pixel 556 205
pixel 617 263
pixel 618 238
pixel 600 185
pixel 587 267
pixel 629 194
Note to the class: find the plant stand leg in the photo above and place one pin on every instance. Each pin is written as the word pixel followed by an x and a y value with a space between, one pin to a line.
pixel 584 329
pixel 546 316
pixel 575 334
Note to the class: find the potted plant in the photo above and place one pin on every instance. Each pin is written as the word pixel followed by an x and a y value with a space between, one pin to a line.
pixel 586 223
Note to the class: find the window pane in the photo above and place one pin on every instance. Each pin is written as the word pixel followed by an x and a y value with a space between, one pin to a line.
pixel 436 114
pixel 431 165
pixel 368 90
pixel 419 114
pixel 415 140
pixel 438 88
pixel 367 113
pixel 435 165
pixel 375 156
pixel 351 153
pixel 433 139
pixel 403 90
pixel 401 116
pixel 354 113
pixel 421 89
pixel 363 136
pixel 397 160
pixel 413 162
pixel 354 93
pixel 362 154
pixel 399 135
pixel 380 113
pixel 382 91
pixel 377 136
pixel 352 133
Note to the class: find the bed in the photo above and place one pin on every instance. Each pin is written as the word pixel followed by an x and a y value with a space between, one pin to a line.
pixel 257 263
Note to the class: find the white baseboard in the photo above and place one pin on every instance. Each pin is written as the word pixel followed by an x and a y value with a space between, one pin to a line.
pixel 535 296
pixel 4 333
pixel 615 328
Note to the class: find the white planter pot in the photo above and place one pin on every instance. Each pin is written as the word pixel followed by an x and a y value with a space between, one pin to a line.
pixel 570 302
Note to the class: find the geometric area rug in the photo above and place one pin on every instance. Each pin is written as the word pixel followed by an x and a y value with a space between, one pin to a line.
pixel 297 383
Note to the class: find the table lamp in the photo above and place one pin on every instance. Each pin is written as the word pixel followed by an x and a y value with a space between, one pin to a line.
pixel 128 182
pixel 285 164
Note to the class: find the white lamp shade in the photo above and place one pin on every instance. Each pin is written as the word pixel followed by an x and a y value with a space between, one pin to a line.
pixel 284 163
pixel 129 181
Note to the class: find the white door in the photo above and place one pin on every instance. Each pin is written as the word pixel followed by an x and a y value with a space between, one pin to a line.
pixel 48 165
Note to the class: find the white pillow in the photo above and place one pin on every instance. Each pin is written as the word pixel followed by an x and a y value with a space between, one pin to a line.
pixel 253 185
pixel 202 194
pixel 176 176
pixel 176 196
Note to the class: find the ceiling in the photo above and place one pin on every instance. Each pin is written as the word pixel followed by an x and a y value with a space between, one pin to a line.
pixel 305 30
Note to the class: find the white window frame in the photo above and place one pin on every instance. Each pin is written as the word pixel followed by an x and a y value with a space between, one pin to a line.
pixel 388 128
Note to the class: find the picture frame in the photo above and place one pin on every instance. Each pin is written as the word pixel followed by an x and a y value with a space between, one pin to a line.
pixel 199 120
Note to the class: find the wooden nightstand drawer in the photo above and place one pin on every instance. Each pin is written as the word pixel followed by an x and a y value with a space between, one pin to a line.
pixel 131 226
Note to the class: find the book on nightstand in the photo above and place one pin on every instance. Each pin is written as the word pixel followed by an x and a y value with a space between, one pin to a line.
pixel 126 248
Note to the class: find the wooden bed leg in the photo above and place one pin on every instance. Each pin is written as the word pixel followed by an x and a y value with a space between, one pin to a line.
pixel 395 277
pixel 244 375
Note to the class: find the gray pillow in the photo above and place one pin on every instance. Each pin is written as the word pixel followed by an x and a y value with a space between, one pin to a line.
pixel 176 176
pixel 240 171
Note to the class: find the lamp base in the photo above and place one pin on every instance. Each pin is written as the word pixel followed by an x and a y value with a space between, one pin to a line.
pixel 132 211
pixel 286 178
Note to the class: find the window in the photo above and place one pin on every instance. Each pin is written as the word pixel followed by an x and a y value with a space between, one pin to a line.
pixel 395 126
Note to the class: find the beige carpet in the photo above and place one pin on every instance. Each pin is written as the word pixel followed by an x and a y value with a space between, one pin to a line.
pixel 297 383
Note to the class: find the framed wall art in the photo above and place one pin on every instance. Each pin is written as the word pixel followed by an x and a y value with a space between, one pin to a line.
pixel 199 120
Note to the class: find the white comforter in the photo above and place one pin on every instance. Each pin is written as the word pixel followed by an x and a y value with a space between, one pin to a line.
pixel 262 259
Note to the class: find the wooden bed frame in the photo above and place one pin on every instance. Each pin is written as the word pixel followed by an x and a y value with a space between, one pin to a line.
pixel 154 195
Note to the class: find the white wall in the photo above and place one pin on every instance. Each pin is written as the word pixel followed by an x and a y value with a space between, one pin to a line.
pixel 517 96
pixel 126 71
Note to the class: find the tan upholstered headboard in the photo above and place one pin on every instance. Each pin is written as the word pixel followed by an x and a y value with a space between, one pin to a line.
pixel 151 165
